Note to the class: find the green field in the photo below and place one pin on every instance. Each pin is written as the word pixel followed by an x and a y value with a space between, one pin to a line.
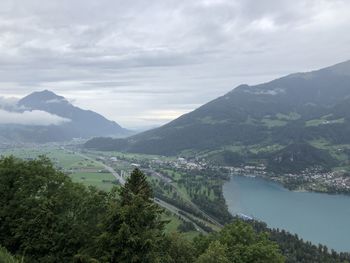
pixel 323 121
pixel 80 169
pixel 270 123
pixel 292 116
pixel 102 181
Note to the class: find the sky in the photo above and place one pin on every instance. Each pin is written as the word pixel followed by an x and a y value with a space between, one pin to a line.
pixel 143 63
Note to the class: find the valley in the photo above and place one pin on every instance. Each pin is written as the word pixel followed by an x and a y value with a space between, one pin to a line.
pixel 192 191
pixel 206 131
pixel 167 176
pixel 194 164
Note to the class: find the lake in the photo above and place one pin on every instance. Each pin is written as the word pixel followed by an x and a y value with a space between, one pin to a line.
pixel 319 218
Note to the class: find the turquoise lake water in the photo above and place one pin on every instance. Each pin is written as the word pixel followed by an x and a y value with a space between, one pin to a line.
pixel 319 218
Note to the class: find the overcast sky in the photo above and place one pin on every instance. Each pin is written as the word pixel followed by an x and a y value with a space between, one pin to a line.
pixel 143 63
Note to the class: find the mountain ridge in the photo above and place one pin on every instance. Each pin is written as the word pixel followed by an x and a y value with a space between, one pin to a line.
pixel 82 123
pixel 299 108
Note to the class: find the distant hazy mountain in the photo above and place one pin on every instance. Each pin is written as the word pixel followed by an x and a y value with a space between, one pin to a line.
pixel 300 116
pixel 78 123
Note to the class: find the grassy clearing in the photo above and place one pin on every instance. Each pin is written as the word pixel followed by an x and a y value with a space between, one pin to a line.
pixel 174 223
pixel 265 148
pixel 292 116
pixel 315 122
pixel 130 156
pixel 210 120
pixel 234 148
pixel 100 180
pixel 270 123
pixel 324 120
pixel 320 143
pixel 280 119
pixel 336 151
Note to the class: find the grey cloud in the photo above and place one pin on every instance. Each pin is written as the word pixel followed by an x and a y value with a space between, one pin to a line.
pixel 127 58
pixel 8 103
pixel 35 117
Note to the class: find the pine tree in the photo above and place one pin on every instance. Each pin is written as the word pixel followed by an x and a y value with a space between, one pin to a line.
pixel 134 229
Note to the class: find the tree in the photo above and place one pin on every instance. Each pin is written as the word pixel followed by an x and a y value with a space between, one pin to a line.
pixel 6 257
pixel 216 253
pixel 44 216
pixel 136 185
pixel 237 242
pixel 245 245
pixel 177 249
pixel 134 230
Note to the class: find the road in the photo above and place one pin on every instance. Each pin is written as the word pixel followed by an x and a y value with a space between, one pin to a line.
pixel 108 168
pixel 170 182
pixel 176 211
pixel 162 203
pixel 114 173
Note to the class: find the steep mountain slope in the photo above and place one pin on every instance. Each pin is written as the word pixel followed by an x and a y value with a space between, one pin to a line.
pixel 80 123
pixel 299 108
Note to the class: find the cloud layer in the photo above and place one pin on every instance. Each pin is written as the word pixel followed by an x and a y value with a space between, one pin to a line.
pixel 9 104
pixel 35 117
pixel 137 61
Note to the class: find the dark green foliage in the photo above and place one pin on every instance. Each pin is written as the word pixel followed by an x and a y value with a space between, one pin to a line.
pixel 227 158
pixel 238 242
pixel 297 156
pixel 136 186
pixel 186 227
pixel 176 249
pixel 133 230
pixel 205 190
pixel 6 257
pixel 43 215
pixel 217 208
pixel 216 253
pixel 298 251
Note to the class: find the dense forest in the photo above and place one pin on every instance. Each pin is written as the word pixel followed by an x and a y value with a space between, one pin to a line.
pixel 45 217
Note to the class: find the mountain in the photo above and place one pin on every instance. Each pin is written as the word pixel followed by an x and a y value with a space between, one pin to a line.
pixel 78 123
pixel 302 111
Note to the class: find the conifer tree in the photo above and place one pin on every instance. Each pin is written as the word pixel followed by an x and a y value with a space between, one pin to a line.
pixel 135 229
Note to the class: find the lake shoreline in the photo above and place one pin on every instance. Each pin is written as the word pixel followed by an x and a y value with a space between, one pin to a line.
pixel 316 217
pixel 279 180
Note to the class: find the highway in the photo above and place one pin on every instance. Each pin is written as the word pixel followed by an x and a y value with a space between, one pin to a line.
pixel 162 203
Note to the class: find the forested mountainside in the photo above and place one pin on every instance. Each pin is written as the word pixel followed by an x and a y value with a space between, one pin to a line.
pixel 303 114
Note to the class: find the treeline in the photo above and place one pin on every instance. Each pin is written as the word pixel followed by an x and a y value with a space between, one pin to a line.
pixel 294 157
pixel 296 250
pixel 45 217
pixel 204 187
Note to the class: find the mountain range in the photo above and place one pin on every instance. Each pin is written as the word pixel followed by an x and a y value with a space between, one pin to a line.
pixel 290 123
pixel 67 121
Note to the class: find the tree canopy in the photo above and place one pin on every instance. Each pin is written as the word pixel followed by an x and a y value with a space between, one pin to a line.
pixel 45 217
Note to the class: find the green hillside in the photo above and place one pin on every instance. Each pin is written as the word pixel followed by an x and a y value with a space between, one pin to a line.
pixel 293 110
